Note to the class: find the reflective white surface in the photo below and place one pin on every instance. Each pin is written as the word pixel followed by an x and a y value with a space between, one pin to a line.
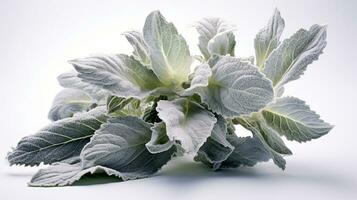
pixel 38 37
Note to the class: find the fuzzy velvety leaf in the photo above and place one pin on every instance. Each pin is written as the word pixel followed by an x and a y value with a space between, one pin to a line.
pixel 119 74
pixel 120 145
pixel 268 38
pixel 235 88
pixel 267 138
pixel 140 53
pixel 186 122
pixel 60 140
pixel 289 61
pixel 216 37
pixel 216 149
pixel 200 79
pixel 248 151
pixel 291 117
pixel 62 174
pixel 68 102
pixel 169 53
pixel 71 80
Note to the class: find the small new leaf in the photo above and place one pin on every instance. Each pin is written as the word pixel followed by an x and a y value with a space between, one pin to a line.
pixel 216 37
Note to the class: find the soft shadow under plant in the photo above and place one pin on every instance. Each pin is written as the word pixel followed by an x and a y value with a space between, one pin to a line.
pixel 128 116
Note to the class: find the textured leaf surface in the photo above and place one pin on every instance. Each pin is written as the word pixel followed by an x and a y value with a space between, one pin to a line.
pixel 216 149
pixel 292 118
pixel 271 146
pixel 140 53
pixel 186 122
pixel 216 37
pixel 235 88
pixel 268 38
pixel 119 74
pixel 120 145
pixel 169 53
pixel 248 151
pixel 62 174
pixel 67 103
pixel 200 78
pixel 58 141
pixel 289 61
pixel 71 80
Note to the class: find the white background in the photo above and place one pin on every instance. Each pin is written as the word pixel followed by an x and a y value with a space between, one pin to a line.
pixel 38 37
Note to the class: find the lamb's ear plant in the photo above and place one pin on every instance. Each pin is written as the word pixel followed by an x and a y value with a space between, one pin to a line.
pixel 128 116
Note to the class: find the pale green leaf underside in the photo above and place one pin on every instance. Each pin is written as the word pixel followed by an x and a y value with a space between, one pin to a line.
pixel 186 122
pixel 292 118
pixel 168 51
pixel 268 38
pixel 58 141
pixel 67 103
pixel 289 61
pixel 120 145
pixel 119 74
pixel 216 37
pixel 235 88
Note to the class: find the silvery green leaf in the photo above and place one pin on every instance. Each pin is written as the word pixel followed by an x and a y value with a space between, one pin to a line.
pixel 140 53
pixel 186 122
pixel 159 141
pixel 200 78
pixel 120 145
pixel 294 119
pixel 273 139
pixel 248 151
pixel 58 141
pixel 62 174
pixel 236 88
pixel 254 125
pixel 216 149
pixel 216 37
pixel 268 38
pixel 71 80
pixel 289 61
pixel 169 53
pixel 120 74
pixel 67 103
